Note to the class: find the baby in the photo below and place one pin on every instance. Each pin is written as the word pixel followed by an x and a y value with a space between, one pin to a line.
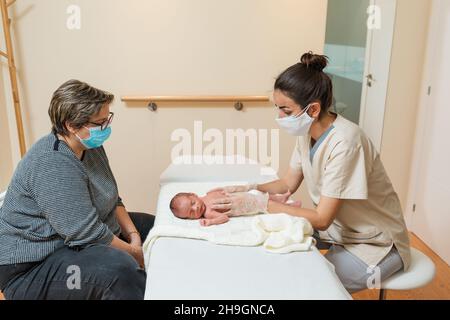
pixel 191 206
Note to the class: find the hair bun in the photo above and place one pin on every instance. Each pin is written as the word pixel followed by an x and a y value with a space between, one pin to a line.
pixel 314 61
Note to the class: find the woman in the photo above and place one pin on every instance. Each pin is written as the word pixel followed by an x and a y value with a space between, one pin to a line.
pixel 357 213
pixel 64 230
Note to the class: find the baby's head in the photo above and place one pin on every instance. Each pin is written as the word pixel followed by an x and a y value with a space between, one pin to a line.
pixel 187 206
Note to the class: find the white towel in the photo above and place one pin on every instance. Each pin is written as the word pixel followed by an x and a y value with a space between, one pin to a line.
pixel 277 233
pixel 285 233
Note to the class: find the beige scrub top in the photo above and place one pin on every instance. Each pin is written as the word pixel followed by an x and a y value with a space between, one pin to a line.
pixel 345 165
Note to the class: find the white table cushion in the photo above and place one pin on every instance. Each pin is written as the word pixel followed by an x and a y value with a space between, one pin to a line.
pixel 223 168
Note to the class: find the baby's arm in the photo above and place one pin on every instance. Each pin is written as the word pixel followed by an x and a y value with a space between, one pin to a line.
pixel 218 218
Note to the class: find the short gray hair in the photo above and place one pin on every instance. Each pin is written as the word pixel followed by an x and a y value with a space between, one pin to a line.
pixel 75 102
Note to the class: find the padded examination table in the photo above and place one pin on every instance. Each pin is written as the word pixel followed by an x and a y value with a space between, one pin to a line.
pixel 199 270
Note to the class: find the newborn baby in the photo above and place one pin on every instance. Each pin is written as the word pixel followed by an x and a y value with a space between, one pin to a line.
pixel 191 206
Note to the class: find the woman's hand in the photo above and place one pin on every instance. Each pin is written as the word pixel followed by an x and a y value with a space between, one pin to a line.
pixel 138 254
pixel 242 204
pixel 134 250
pixel 135 239
pixel 234 189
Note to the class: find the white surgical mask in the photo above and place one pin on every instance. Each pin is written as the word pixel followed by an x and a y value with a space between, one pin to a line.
pixel 296 125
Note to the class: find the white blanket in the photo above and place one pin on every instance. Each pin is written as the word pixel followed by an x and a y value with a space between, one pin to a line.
pixel 277 233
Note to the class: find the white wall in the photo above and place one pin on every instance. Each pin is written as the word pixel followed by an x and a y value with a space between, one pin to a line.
pixel 194 47
pixel 159 47
pixel 429 188
pixel 407 61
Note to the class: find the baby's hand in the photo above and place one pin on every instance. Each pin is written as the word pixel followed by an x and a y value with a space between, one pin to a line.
pixel 204 222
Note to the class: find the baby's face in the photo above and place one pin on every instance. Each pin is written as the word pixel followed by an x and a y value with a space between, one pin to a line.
pixel 190 207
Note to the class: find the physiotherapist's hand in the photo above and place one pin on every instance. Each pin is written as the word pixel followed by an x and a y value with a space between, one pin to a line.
pixel 281 198
pixel 241 204
pixel 234 189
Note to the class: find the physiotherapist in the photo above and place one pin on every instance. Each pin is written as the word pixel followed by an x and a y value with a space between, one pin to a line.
pixel 357 214
pixel 64 231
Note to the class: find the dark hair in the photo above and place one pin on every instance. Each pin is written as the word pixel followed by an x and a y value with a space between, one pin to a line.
pixel 75 102
pixel 175 198
pixel 305 82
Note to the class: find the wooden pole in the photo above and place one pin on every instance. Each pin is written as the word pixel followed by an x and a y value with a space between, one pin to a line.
pixel 13 74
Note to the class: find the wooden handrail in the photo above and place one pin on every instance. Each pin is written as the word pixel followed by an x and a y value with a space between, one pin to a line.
pixel 238 100
pixel 195 98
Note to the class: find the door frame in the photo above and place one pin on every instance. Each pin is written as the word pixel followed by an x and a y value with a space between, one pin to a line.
pixel 377 135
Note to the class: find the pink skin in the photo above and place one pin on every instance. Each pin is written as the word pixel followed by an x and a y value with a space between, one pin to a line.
pixel 194 207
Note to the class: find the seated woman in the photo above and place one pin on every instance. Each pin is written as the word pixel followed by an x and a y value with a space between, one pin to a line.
pixel 191 206
pixel 64 231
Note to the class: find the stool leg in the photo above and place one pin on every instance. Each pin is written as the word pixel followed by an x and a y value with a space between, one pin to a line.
pixel 382 294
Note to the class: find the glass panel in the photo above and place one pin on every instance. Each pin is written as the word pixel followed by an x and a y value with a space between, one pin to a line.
pixel 345 45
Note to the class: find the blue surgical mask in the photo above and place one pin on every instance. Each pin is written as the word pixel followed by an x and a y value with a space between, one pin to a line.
pixel 97 137
pixel 297 125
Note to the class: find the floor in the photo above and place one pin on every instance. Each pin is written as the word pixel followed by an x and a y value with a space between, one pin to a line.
pixel 439 289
